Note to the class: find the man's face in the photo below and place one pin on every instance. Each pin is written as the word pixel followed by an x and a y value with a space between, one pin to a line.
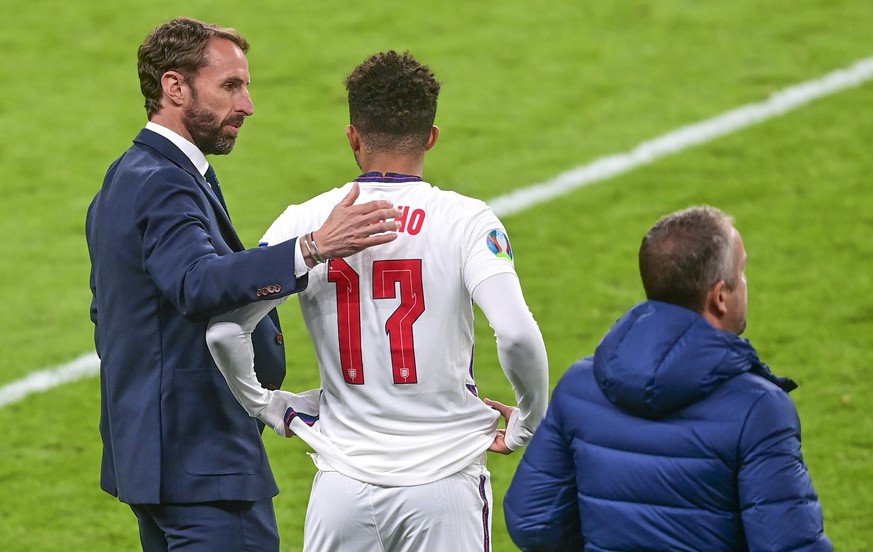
pixel 219 99
pixel 737 298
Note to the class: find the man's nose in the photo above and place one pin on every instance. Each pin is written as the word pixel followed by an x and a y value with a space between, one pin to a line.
pixel 245 104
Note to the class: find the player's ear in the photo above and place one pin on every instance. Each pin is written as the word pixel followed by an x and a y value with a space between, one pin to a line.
pixel 354 138
pixel 431 140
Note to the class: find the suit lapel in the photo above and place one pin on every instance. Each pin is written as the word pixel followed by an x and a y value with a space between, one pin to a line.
pixel 170 151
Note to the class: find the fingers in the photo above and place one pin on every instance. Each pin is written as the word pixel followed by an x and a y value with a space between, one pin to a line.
pixel 354 241
pixel 499 444
pixel 378 239
pixel 351 196
pixel 371 211
pixel 352 228
pixel 374 211
pixel 505 411
pixel 380 227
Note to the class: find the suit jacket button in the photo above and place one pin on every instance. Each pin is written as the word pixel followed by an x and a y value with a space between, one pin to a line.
pixel 270 387
pixel 280 339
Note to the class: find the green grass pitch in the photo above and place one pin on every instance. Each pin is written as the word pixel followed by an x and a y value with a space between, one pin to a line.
pixel 530 90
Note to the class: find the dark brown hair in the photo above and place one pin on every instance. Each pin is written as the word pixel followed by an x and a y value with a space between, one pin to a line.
pixel 177 45
pixel 393 101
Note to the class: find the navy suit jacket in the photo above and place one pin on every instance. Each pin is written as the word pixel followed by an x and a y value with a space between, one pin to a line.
pixel 164 259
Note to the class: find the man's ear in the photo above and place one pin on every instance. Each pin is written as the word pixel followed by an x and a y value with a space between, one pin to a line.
pixel 431 140
pixel 354 138
pixel 173 84
pixel 716 299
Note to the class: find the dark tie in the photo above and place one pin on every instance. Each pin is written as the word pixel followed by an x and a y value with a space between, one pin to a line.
pixel 213 181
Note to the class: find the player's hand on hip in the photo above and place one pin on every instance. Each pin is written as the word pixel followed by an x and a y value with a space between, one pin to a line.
pixel 273 415
pixel 499 445
pixel 351 228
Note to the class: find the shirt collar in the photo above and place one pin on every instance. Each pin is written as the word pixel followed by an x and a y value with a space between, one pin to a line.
pixel 376 176
pixel 190 150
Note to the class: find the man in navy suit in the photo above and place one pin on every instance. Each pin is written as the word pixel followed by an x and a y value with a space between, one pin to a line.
pixel 178 448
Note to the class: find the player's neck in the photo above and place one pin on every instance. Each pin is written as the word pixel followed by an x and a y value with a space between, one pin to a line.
pixel 393 163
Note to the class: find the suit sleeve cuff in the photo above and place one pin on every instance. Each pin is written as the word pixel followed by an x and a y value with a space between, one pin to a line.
pixel 300 268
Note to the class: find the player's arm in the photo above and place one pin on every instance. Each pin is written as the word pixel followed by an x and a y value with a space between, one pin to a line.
pixel 521 352
pixel 229 337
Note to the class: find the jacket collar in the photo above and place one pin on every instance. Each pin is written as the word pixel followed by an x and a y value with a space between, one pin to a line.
pixel 169 150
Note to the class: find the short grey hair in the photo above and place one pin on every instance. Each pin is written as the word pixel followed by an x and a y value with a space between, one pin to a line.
pixel 687 252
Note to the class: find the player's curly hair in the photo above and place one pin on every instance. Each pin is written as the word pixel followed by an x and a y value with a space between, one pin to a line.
pixel 685 253
pixel 177 45
pixel 393 101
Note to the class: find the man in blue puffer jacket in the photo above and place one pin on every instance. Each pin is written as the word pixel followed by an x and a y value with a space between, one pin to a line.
pixel 673 435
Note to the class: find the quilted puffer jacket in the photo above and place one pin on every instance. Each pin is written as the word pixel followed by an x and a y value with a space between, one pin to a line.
pixel 672 436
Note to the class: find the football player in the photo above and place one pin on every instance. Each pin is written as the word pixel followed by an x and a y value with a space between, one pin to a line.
pixel 398 427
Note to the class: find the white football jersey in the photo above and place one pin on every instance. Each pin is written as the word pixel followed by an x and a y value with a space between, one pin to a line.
pixel 392 328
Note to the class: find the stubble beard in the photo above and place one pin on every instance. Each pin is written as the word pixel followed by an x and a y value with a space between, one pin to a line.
pixel 207 131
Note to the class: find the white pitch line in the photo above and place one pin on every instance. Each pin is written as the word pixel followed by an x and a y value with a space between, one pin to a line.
pixel 524 198
pixel 43 380
pixel 684 138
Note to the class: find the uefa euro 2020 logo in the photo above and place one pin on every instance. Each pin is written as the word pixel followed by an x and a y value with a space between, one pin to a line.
pixel 498 243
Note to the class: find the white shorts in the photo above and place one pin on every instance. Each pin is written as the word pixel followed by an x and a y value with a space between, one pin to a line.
pixel 449 515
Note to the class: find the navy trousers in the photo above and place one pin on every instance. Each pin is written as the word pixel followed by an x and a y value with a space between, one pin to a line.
pixel 231 526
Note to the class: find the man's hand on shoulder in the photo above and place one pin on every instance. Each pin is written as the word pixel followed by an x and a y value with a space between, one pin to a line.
pixel 352 228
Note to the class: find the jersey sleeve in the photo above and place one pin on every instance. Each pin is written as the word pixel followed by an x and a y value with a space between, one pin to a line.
pixel 521 352
pixel 229 338
pixel 284 228
pixel 487 249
